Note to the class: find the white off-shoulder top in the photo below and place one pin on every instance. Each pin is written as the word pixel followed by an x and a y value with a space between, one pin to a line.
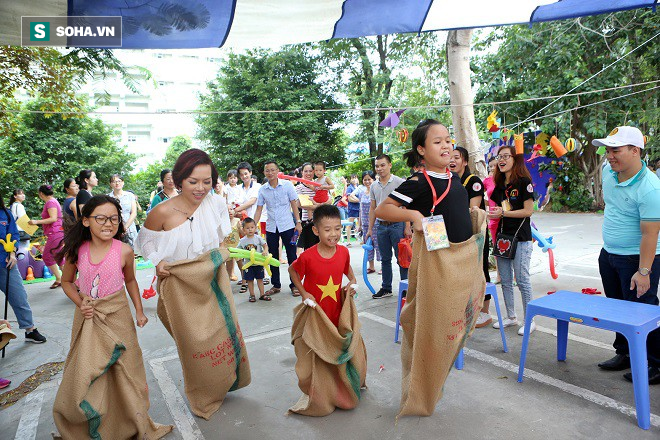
pixel 208 227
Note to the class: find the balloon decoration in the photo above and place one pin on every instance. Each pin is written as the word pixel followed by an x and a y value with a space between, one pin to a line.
pixel 557 146
pixel 493 124
pixel 519 143
pixel 570 144
pixel 402 135
pixel 543 140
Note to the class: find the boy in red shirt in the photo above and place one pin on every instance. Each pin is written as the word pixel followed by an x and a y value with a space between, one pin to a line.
pixel 322 267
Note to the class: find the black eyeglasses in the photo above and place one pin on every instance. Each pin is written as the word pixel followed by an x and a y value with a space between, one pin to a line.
pixel 503 156
pixel 103 219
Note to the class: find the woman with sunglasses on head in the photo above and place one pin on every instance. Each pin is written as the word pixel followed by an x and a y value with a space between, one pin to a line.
pixel 475 189
pixel 514 195
pixel 51 220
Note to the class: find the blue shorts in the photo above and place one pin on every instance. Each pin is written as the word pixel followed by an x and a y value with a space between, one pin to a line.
pixel 353 213
pixel 253 273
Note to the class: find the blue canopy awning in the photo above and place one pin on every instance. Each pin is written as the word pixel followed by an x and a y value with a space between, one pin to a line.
pixel 174 24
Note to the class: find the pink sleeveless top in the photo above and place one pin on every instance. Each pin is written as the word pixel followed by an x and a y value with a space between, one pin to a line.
pixel 102 279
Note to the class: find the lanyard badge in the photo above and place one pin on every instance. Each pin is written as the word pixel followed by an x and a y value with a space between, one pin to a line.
pixel 435 231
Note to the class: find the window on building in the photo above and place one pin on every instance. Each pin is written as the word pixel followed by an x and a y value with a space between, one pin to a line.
pixel 132 138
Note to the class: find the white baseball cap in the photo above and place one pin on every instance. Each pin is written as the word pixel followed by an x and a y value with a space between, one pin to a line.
pixel 622 136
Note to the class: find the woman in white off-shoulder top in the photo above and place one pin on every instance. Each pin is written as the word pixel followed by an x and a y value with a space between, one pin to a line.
pixel 184 227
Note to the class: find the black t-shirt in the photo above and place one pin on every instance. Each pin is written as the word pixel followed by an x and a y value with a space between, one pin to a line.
pixel 415 193
pixel 83 197
pixel 474 187
pixel 516 192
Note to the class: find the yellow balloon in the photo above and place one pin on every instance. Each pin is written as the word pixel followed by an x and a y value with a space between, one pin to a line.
pixel 543 139
pixel 570 144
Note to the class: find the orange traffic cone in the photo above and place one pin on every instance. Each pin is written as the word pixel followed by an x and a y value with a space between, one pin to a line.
pixel 30 274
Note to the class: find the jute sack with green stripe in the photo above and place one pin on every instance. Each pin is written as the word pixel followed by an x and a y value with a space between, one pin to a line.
pixel 445 293
pixel 103 394
pixel 331 361
pixel 197 308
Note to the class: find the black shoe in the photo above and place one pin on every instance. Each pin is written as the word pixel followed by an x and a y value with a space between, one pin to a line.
pixel 34 336
pixel 382 293
pixel 617 363
pixel 654 376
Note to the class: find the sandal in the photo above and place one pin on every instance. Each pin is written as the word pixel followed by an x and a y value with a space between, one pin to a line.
pixel 253 299
pixel 243 288
pixel 371 271
pixel 266 281
pixel 265 297
pixel 55 285
pixel 272 291
pixel 295 291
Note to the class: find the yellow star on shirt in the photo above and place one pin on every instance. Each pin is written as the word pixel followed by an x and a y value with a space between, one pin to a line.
pixel 329 289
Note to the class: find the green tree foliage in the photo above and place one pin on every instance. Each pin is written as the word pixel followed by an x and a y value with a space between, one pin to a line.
pixel 50 148
pixel 386 72
pixel 552 58
pixel 55 77
pixel 568 190
pixel 264 80
pixel 143 182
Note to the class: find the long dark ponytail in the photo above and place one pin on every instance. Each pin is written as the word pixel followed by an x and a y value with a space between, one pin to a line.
pixel 12 198
pixel 77 233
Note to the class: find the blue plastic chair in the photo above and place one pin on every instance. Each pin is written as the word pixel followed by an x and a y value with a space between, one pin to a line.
pixel 633 320
pixel 490 288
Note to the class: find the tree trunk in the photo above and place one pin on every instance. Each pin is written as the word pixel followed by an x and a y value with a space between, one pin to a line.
pixel 462 99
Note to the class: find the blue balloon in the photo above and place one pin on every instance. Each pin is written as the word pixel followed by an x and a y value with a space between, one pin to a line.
pixel 368 246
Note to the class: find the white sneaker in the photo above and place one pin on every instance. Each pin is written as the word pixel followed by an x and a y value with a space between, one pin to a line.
pixel 508 322
pixel 521 330
pixel 483 320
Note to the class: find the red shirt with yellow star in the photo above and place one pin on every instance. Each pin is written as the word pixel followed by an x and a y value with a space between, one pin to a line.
pixel 322 278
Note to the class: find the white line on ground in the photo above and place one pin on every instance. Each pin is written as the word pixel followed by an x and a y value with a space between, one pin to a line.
pixel 27 426
pixel 274 333
pixel 589 395
pixel 576 338
pixel 183 418
pixel 588 266
pixel 589 277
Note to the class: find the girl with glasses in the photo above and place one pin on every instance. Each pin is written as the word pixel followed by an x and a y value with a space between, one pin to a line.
pixel 514 195
pixel 105 269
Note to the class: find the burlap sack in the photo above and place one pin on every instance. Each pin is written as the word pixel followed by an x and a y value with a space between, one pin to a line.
pixel 445 293
pixel 196 306
pixel 104 393
pixel 331 361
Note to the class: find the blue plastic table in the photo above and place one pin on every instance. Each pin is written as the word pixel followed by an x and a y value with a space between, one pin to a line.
pixel 634 320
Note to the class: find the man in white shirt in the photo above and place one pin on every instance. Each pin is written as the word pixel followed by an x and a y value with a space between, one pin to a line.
pixel 249 191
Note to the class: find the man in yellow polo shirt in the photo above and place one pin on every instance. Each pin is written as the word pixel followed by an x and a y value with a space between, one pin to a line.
pixel 629 262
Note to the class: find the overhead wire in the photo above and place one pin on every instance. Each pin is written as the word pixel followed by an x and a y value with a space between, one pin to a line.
pixel 356 109
pixel 529 118
pixel 395 151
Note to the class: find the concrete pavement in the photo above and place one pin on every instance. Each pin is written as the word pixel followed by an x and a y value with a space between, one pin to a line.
pixel 571 399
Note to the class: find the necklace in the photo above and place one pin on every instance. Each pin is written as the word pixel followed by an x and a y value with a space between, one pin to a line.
pixel 184 213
